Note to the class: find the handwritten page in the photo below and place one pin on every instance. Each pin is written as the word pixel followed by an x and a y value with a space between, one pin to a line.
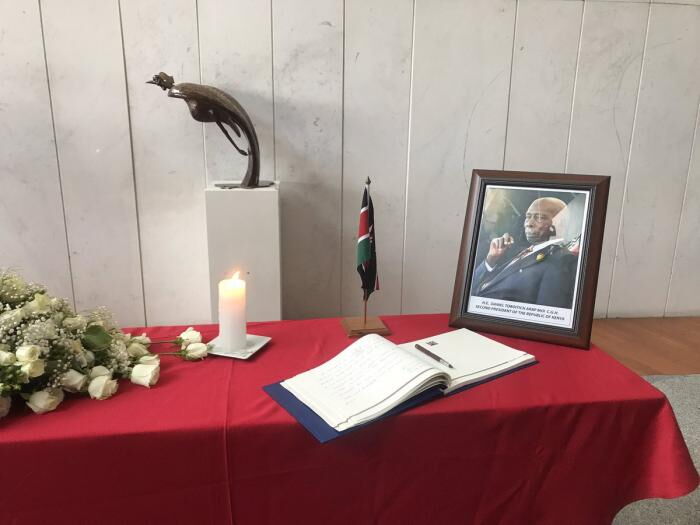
pixel 473 356
pixel 366 379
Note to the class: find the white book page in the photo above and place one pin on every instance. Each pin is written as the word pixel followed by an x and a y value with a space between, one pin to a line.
pixel 363 381
pixel 472 355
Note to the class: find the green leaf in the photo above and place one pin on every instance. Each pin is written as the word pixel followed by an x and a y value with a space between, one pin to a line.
pixel 96 338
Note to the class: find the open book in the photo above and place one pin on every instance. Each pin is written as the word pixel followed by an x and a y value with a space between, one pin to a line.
pixel 372 376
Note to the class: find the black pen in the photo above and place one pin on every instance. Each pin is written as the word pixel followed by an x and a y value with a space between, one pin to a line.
pixel 433 356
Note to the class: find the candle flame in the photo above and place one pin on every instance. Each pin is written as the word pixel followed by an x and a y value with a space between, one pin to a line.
pixel 236 275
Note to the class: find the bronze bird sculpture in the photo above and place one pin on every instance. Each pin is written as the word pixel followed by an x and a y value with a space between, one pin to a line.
pixel 210 104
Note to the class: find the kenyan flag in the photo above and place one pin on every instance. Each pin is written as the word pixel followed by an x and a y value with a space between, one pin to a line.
pixel 366 246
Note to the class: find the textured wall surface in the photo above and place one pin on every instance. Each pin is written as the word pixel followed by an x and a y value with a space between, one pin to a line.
pixel 102 177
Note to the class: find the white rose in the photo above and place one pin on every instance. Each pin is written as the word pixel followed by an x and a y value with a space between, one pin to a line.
pixel 89 357
pixel 5 404
pixel 196 351
pixel 6 358
pixel 33 368
pixel 28 353
pixel 190 336
pixel 146 375
pixel 12 318
pixel 74 381
pixel 45 400
pixel 100 371
pixel 136 349
pixel 75 323
pixel 41 304
pixel 143 339
pixel 150 359
pixel 102 387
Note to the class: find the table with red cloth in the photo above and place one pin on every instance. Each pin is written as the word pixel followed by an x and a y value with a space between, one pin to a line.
pixel 571 440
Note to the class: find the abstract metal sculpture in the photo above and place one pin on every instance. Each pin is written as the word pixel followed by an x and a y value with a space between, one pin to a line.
pixel 210 104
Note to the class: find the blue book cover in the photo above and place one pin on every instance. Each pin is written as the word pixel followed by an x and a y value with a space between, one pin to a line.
pixel 324 432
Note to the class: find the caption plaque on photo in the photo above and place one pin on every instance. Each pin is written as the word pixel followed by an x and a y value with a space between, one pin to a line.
pixel 528 262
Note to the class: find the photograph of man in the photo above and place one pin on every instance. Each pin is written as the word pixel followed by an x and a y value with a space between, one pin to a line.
pixel 543 272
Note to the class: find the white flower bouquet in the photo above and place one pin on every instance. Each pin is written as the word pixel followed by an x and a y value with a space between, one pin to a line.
pixel 46 349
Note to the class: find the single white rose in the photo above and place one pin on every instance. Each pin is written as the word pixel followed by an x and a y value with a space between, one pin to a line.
pixel 102 387
pixel 5 404
pixel 45 400
pixel 196 351
pixel 6 358
pixel 150 359
pixel 190 336
pixel 41 304
pixel 146 375
pixel 89 357
pixel 33 368
pixel 28 353
pixel 74 381
pixel 12 318
pixel 75 323
pixel 136 349
pixel 100 371
pixel 143 339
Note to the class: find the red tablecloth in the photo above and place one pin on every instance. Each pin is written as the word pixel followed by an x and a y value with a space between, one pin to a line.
pixel 569 440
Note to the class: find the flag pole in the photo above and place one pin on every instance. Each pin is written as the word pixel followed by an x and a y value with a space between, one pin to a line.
pixel 365 297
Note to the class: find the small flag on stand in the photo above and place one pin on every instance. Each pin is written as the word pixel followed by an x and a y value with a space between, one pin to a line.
pixel 366 246
pixel 367 268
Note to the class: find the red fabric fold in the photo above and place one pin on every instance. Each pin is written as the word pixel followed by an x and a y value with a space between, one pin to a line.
pixel 572 439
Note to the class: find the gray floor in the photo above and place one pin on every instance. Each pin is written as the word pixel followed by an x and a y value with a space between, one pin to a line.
pixel 683 392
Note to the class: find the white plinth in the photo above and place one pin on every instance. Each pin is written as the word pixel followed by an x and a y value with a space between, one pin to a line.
pixel 243 231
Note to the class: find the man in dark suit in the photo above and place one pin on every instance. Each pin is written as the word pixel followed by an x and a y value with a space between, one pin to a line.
pixel 542 273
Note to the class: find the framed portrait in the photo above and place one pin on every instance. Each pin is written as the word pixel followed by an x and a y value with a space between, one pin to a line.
pixel 529 257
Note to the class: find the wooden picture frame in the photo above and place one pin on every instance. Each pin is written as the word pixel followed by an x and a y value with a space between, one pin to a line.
pixel 542 234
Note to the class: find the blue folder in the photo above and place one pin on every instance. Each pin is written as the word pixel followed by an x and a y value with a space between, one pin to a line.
pixel 323 432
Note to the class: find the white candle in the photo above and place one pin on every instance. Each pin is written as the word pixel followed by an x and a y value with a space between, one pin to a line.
pixel 232 335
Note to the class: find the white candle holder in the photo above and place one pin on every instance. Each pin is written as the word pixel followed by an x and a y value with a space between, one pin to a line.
pixel 253 344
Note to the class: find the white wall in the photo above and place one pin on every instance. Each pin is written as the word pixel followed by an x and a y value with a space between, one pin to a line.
pixel 102 176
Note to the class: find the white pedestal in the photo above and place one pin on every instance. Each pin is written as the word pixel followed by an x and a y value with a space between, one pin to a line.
pixel 243 230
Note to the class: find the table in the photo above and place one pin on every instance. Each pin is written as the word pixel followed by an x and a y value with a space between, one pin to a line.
pixel 570 440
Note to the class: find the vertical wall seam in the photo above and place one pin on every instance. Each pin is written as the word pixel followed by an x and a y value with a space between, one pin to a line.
pixel 408 153
pixel 683 208
pixel 573 91
pixel 272 76
pixel 58 160
pixel 342 165
pixel 201 76
pixel 133 163
pixel 510 82
pixel 629 162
